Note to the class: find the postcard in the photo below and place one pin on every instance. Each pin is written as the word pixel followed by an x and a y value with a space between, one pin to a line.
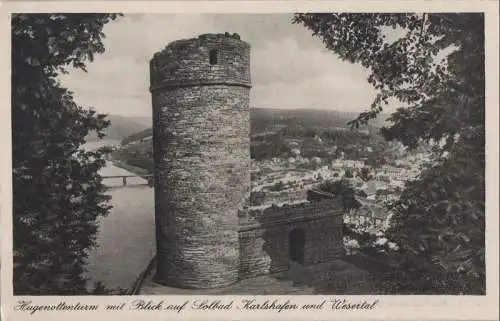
pixel 250 160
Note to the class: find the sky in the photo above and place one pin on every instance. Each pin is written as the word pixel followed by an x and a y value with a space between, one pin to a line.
pixel 290 69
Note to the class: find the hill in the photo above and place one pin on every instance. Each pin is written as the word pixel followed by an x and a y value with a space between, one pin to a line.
pixel 122 126
pixel 138 136
pixel 278 133
pixel 271 119
pixel 264 120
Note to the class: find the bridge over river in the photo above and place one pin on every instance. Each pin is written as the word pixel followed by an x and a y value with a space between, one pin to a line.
pixel 126 239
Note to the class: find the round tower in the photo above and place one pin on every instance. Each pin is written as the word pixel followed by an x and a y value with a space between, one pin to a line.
pixel 200 93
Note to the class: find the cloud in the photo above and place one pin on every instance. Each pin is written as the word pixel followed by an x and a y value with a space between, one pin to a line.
pixel 320 92
pixel 290 68
pixel 287 60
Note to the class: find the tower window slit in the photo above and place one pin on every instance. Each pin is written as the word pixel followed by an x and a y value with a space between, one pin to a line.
pixel 213 57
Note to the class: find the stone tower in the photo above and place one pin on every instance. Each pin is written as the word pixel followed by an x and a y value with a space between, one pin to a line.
pixel 200 93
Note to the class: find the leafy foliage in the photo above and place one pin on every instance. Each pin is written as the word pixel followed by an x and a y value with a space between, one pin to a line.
pixel 348 173
pixel 57 192
pixel 365 174
pixel 268 147
pixel 435 69
pixel 344 189
pixel 279 186
pixel 148 132
pixel 138 154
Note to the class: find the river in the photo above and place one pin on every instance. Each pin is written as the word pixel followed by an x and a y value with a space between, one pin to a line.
pixel 126 237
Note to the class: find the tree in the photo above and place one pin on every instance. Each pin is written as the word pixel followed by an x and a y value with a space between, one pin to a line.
pixel 439 220
pixel 344 189
pixel 365 175
pixel 279 186
pixel 57 191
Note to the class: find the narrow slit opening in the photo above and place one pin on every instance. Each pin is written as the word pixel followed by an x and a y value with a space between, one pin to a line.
pixel 213 57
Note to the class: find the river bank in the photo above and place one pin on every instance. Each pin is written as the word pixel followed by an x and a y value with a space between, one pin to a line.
pixel 130 168
pixel 126 236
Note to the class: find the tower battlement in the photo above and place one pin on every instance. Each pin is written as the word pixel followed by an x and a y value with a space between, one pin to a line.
pixel 209 59
pixel 271 215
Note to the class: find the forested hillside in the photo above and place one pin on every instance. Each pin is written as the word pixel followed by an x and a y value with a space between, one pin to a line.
pixel 121 127
pixel 271 133
pixel 263 120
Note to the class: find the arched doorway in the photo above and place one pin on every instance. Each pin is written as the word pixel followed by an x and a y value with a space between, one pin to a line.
pixel 297 240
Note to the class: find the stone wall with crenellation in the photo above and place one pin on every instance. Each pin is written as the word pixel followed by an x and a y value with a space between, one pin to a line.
pixel 264 235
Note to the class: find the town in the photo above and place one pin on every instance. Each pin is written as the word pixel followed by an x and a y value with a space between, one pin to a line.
pixel 291 157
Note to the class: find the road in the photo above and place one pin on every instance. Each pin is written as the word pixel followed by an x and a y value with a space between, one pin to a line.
pixel 126 239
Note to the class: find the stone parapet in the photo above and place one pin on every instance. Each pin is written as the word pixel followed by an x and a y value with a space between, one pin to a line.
pixel 256 217
pixel 265 236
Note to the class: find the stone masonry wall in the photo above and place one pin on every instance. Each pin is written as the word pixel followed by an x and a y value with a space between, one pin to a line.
pixel 186 62
pixel 202 159
pixel 264 236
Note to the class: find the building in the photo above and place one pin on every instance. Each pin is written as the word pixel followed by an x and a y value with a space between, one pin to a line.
pixel 206 236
